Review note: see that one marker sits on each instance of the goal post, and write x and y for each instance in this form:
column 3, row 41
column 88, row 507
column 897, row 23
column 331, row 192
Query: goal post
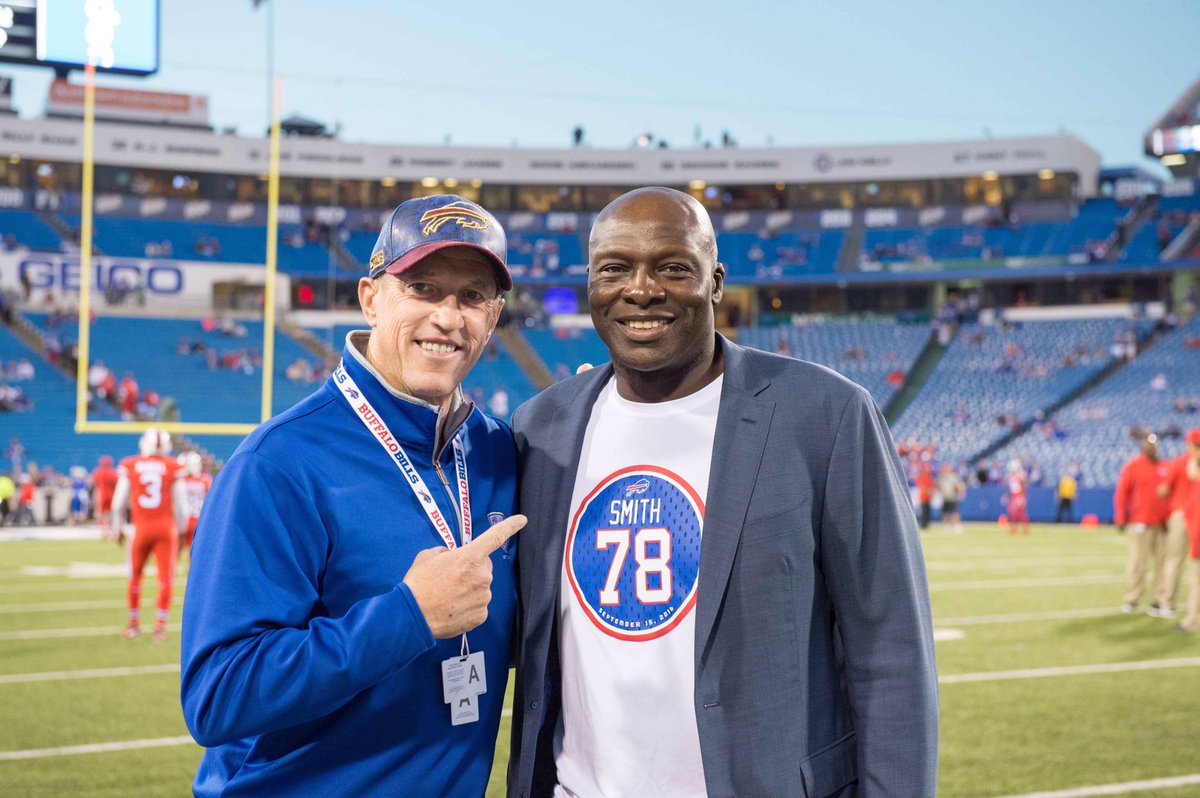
column 85, row 425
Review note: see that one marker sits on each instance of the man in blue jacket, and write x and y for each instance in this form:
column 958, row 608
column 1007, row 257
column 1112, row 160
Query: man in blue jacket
column 349, row 611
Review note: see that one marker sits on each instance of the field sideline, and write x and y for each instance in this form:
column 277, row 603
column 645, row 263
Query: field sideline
column 1047, row 690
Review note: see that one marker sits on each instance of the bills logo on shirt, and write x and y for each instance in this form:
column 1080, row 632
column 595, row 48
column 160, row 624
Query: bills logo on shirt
column 633, row 552
column 641, row 486
column 506, row 546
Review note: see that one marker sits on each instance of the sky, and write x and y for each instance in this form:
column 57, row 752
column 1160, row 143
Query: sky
column 770, row 73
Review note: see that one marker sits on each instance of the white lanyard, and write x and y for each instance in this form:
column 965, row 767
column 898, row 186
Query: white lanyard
column 375, row 424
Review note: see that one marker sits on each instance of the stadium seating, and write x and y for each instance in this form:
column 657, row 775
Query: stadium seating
column 129, row 237
column 866, row 351
column 28, row 230
column 789, row 253
column 1094, row 222
column 991, row 377
column 47, row 431
column 145, row 347
column 1095, row 428
column 563, row 350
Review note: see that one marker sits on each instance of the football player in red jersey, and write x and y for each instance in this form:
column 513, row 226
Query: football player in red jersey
column 1017, row 499
column 104, row 481
column 195, row 487
column 150, row 484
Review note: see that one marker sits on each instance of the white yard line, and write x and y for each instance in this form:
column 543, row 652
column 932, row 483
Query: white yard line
column 59, row 606
column 1051, row 581
column 95, row 673
column 1116, row 789
column 1019, row 562
column 85, row 631
column 1018, row 617
column 115, row 584
column 1070, row 670
column 95, row 748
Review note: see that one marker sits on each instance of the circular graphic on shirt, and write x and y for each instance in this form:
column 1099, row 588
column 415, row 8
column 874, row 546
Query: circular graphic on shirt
column 633, row 552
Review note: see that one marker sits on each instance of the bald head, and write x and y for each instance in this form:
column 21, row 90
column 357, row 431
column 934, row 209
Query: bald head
column 665, row 205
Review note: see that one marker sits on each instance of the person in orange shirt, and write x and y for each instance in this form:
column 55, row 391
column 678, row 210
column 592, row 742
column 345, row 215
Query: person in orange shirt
column 1176, row 489
column 1191, row 514
column 104, row 482
column 1140, row 507
column 925, row 495
column 150, row 484
column 196, row 484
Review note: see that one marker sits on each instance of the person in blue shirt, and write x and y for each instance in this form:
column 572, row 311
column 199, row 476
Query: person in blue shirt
column 351, row 599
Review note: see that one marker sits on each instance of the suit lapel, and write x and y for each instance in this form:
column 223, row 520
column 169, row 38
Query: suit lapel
column 567, row 429
column 743, row 422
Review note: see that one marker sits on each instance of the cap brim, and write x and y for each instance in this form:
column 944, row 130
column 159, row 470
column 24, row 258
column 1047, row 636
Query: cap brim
column 417, row 254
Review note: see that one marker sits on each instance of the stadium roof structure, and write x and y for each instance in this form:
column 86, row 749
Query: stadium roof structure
column 193, row 150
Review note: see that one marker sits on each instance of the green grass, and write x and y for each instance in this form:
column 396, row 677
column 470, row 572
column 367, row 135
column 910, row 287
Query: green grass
column 999, row 737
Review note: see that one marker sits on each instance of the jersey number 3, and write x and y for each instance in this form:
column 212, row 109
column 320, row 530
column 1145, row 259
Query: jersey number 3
column 152, row 484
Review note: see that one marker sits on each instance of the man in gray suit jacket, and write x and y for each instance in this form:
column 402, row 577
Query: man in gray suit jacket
column 722, row 583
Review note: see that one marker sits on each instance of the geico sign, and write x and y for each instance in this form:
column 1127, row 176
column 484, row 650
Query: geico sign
column 64, row 275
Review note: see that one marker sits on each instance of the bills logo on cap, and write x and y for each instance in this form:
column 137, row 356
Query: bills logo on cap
column 633, row 552
column 461, row 212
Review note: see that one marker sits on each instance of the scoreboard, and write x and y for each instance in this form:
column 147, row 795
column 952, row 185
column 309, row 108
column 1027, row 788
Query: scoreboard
column 114, row 35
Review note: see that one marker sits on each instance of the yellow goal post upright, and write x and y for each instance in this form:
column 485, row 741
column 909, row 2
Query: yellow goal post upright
column 82, row 423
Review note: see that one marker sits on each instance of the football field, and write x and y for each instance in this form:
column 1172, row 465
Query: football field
column 1047, row 689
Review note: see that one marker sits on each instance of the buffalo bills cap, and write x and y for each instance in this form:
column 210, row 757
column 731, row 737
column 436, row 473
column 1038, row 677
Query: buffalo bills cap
column 422, row 226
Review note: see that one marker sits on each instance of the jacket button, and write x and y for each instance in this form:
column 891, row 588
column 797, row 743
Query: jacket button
column 533, row 705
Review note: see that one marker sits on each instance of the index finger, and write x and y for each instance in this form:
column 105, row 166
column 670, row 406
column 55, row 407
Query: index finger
column 495, row 537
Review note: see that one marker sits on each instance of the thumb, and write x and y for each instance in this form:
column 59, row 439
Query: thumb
column 495, row 537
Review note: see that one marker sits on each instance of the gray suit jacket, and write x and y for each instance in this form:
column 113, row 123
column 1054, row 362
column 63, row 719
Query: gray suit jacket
column 814, row 644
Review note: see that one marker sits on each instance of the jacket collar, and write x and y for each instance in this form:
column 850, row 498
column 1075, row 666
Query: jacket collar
column 413, row 421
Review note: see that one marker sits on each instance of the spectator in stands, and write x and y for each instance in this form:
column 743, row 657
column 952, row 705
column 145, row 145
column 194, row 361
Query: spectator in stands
column 297, row 370
column 184, row 347
column 24, row 370
column 148, row 404
column 1065, row 495
column 498, row 403
column 127, row 396
column 13, row 399
column 1141, row 509
column 15, row 452
column 1158, row 382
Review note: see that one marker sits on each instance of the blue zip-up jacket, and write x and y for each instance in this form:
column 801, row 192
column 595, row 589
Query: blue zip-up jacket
column 308, row 668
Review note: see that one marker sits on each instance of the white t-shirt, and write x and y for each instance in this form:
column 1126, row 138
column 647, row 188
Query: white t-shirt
column 627, row 600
